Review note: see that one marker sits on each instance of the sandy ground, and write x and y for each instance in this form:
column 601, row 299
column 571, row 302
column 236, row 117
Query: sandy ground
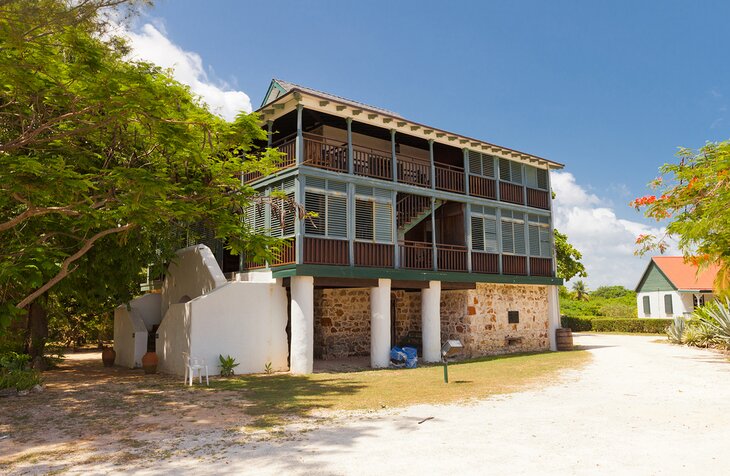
column 640, row 407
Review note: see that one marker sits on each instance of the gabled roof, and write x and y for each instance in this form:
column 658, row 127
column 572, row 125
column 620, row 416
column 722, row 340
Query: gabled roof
column 286, row 86
column 682, row 275
column 282, row 93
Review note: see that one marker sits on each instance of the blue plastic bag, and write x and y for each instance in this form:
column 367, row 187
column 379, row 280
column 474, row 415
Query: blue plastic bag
column 397, row 356
column 411, row 357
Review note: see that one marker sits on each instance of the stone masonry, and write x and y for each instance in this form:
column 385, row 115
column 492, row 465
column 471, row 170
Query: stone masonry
column 477, row 317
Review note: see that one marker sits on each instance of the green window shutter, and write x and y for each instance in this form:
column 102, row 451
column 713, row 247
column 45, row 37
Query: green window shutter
column 542, row 179
column 508, row 237
column 363, row 219
column 505, row 172
column 477, row 233
column 531, row 176
column 520, row 242
column 383, row 222
column 490, row 235
column 545, row 243
column 647, row 306
column 337, row 216
column 475, row 163
column 315, row 202
column 668, row 307
column 534, row 239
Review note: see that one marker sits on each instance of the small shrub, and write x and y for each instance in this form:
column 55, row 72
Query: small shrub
column 268, row 369
column 14, row 361
column 19, row 379
column 675, row 330
column 576, row 324
column 618, row 310
column 227, row 365
column 631, row 325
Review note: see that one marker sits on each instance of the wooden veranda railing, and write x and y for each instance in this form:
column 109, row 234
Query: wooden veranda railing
column 484, row 262
column 372, row 162
column 413, row 171
column 451, row 257
column 285, row 255
column 482, row 187
column 449, row 178
column 512, row 193
column 326, row 251
column 286, row 146
column 379, row 255
column 537, row 198
column 416, row 255
column 515, row 265
column 541, row 266
column 324, row 153
column 410, row 206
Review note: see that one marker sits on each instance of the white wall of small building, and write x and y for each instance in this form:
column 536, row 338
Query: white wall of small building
column 682, row 303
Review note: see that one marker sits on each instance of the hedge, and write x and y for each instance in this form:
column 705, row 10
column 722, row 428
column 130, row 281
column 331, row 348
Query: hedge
column 577, row 324
column 648, row 326
column 601, row 324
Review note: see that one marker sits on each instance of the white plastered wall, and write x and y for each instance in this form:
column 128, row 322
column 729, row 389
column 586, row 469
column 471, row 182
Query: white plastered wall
column 682, row 303
column 249, row 324
column 174, row 339
column 130, row 337
column 193, row 273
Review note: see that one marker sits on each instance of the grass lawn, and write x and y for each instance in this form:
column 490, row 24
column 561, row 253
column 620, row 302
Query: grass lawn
column 274, row 398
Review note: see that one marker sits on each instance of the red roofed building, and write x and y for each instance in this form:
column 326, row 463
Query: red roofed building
column 672, row 287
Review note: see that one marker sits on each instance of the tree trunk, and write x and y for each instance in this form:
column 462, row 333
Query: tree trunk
column 37, row 332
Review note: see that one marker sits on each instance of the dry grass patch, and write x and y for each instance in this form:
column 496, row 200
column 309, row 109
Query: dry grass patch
column 275, row 398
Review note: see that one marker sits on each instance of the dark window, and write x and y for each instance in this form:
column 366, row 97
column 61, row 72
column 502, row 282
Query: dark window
column 668, row 308
column 513, row 317
column 647, row 306
column 698, row 300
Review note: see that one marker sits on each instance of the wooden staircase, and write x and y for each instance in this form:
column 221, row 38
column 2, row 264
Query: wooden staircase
column 412, row 210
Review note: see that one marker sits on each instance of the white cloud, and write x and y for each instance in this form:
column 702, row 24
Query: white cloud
column 606, row 241
column 150, row 43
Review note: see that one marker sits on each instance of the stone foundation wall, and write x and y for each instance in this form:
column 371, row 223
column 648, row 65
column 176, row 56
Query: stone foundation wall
column 341, row 323
column 477, row 317
column 486, row 325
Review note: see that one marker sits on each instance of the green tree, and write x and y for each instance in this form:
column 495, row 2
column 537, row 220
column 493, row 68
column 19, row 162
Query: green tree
column 581, row 290
column 102, row 162
column 568, row 257
column 693, row 195
column 609, row 292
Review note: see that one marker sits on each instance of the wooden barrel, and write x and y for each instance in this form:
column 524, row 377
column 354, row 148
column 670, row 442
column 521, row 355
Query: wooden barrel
column 564, row 339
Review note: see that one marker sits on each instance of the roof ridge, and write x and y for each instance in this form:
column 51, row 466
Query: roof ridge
column 335, row 96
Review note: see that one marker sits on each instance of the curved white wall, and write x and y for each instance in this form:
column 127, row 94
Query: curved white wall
column 130, row 337
column 148, row 308
column 193, row 273
column 174, row 339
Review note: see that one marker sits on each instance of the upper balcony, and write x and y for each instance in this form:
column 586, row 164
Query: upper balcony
column 349, row 147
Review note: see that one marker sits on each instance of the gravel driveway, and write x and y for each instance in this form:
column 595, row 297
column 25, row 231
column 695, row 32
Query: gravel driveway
column 641, row 407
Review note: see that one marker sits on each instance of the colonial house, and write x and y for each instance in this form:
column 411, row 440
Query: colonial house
column 420, row 235
column 672, row 287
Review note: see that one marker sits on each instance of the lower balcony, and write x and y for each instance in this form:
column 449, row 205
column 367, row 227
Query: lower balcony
column 413, row 255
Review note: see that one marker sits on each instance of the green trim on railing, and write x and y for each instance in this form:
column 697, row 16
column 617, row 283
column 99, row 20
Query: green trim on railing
column 406, row 275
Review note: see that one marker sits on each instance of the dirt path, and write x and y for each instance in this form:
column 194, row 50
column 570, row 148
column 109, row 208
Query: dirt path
column 640, row 407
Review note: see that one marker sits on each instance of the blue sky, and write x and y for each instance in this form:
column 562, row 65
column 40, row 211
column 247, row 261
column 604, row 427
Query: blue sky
column 608, row 88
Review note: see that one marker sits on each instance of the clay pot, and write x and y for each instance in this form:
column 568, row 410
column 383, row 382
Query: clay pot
column 149, row 362
column 108, row 355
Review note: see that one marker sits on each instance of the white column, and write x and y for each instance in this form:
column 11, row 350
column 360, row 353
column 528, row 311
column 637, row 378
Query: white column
column 553, row 315
column 380, row 324
column 431, row 321
column 302, row 325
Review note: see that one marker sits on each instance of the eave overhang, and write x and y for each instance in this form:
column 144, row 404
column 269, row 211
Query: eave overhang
column 289, row 101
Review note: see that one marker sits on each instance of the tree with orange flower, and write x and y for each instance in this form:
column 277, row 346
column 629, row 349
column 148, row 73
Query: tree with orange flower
column 694, row 195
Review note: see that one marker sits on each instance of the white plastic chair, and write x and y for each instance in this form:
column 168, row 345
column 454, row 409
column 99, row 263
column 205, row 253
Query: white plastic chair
column 193, row 365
